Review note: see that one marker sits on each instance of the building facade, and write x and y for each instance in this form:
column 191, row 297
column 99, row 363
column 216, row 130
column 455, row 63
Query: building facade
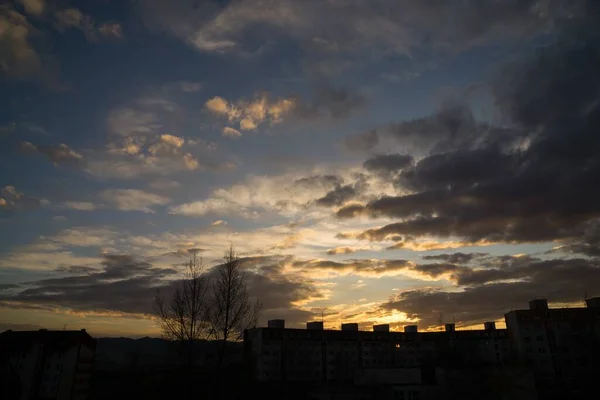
column 560, row 345
column 46, row 364
column 319, row 355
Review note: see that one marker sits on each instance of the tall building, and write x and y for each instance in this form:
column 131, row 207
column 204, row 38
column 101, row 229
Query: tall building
column 46, row 364
column 561, row 346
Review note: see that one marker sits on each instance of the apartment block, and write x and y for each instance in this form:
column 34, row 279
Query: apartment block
column 46, row 364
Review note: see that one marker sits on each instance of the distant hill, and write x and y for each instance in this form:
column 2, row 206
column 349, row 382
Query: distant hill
column 119, row 354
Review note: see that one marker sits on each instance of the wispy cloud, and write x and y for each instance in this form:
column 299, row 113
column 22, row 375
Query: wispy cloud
column 133, row 199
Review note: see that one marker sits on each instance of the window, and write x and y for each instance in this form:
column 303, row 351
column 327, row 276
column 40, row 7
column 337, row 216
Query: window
column 542, row 350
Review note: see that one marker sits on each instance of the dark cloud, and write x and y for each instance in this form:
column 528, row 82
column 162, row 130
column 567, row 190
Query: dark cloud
column 457, row 169
column 125, row 284
column 337, row 196
column 76, row 269
column 7, row 286
column 388, row 163
column 456, row 258
column 58, row 155
column 363, row 141
column 491, row 292
column 380, row 26
column 331, row 102
column 359, row 266
column 349, row 211
column 321, row 181
column 538, row 187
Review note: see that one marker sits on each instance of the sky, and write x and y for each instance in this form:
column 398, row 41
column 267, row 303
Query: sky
column 371, row 161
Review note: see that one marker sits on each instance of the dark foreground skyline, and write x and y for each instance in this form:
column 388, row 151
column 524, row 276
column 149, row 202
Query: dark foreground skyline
column 378, row 161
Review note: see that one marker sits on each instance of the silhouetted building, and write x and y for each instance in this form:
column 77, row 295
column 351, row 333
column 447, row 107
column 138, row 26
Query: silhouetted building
column 287, row 355
column 46, row 364
column 561, row 346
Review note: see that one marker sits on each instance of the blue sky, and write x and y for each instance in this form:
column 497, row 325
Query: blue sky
column 385, row 160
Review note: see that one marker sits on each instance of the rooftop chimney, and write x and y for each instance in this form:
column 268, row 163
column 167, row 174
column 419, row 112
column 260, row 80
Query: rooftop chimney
column 411, row 329
column 315, row 326
column 538, row 304
column 450, row 327
column 353, row 326
column 381, row 328
column 489, row 326
column 276, row 323
column 593, row 302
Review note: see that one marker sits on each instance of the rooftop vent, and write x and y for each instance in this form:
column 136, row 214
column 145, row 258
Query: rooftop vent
column 538, row 304
column 276, row 323
column 353, row 326
column 411, row 329
column 489, row 326
column 315, row 326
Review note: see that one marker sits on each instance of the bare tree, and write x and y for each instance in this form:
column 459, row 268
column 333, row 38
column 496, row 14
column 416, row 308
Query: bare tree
column 184, row 317
column 232, row 310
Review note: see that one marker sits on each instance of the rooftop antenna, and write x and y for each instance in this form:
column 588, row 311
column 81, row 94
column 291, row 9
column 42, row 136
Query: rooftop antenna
column 441, row 320
column 65, row 327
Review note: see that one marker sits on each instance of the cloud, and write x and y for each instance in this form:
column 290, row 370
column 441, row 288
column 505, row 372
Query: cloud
column 58, row 155
column 123, row 283
column 343, row 250
column 230, row 132
column 82, row 205
column 111, row 29
column 74, row 18
column 13, row 200
column 218, row 222
column 139, row 145
column 133, row 199
column 495, row 188
column 34, row 7
column 59, row 250
column 387, row 26
column 251, row 113
column 286, row 194
column 337, row 196
column 330, row 102
column 18, row 58
column 388, row 163
column 132, row 121
column 456, row 258
column 163, row 184
column 362, row 141
column 495, row 291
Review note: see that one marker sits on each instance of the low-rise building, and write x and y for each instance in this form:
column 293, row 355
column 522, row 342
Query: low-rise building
column 46, row 364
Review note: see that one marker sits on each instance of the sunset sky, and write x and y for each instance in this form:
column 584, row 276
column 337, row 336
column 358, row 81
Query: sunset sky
column 372, row 161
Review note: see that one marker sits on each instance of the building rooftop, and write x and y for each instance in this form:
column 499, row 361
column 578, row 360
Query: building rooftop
column 48, row 337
